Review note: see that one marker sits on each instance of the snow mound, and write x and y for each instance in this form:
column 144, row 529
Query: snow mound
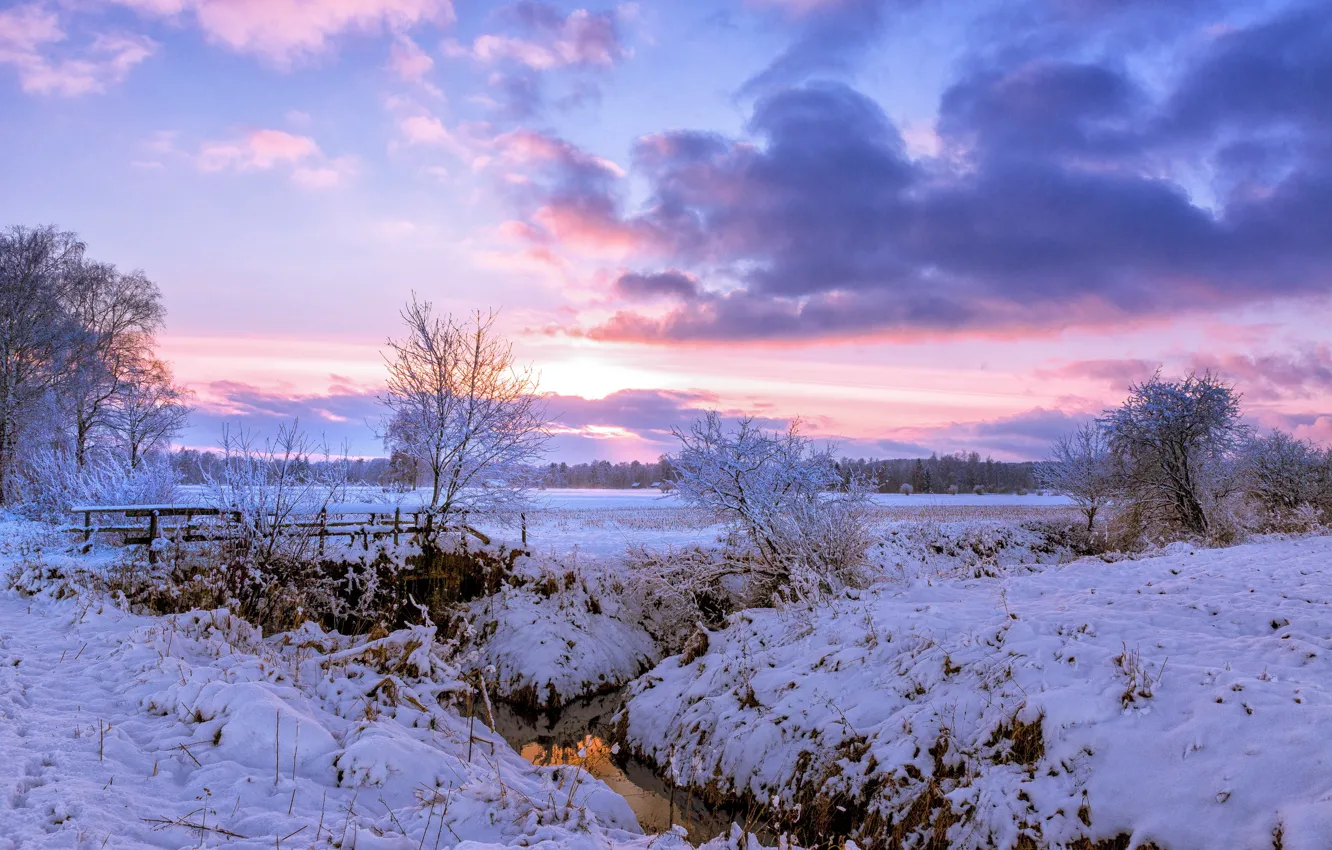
column 557, row 638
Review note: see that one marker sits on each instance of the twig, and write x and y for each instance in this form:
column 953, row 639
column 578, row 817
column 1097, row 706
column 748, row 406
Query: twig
column 426, row 831
column 351, row 810
column 163, row 823
column 187, row 752
column 277, row 753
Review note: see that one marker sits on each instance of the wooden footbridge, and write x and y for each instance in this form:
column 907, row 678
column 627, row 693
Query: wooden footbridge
column 144, row 525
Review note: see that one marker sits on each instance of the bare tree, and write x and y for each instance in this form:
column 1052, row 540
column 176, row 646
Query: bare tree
column 460, row 406
column 1175, row 442
column 117, row 315
column 36, row 332
column 1082, row 467
column 147, row 411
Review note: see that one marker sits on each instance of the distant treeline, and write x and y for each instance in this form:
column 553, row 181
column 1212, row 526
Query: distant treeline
column 935, row 474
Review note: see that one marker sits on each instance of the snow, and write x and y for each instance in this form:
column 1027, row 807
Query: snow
column 545, row 644
column 1181, row 699
column 127, row 731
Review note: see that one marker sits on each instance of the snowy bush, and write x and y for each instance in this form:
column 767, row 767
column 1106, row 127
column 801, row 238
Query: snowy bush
column 268, row 492
column 906, row 489
column 1288, row 480
column 804, row 528
column 51, row 481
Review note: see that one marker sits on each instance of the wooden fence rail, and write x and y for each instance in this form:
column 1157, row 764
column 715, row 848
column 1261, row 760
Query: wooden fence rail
column 181, row 524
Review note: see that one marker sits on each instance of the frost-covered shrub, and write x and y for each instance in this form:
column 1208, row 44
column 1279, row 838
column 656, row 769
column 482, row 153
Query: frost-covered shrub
column 1289, row 481
column 906, row 489
column 51, row 482
column 805, row 527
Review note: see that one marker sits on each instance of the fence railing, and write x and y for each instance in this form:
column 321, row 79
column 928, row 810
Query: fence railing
column 144, row 525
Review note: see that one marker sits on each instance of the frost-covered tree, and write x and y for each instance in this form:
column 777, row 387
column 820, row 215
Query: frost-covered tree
column 79, row 383
column 36, row 336
column 785, row 494
column 464, row 410
column 1082, row 467
column 1175, row 444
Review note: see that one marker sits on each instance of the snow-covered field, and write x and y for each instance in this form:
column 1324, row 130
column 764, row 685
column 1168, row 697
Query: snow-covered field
column 983, row 691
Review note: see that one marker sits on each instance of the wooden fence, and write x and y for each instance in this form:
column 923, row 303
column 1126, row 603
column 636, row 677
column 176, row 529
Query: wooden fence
column 144, row 525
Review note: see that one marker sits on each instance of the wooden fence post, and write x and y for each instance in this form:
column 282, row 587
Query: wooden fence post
column 523, row 517
column 87, row 526
column 397, row 522
column 152, row 537
column 323, row 529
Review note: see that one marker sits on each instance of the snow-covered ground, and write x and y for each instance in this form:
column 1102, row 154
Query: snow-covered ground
column 1183, row 700
column 126, row 731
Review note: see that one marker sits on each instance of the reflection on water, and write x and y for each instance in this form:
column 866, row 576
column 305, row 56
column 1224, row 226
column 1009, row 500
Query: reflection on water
column 575, row 736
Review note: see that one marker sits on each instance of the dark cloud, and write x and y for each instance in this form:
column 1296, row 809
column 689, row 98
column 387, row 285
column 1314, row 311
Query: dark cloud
column 1265, row 377
column 830, row 40
column 343, row 416
column 1067, row 193
column 1304, row 373
column 667, row 284
column 520, row 94
column 643, row 412
column 1021, row 436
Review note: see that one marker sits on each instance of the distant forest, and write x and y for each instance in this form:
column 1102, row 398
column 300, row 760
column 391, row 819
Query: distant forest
column 935, row 474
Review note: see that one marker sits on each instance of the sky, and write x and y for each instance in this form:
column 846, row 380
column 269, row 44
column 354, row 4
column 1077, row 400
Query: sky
column 917, row 225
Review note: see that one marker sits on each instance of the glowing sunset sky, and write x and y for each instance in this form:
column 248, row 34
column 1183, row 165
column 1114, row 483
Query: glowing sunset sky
column 918, row 224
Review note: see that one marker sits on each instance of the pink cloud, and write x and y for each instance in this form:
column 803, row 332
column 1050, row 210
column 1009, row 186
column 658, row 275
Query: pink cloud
column 409, row 61
column 283, row 31
column 589, row 231
column 583, row 38
column 262, row 150
column 31, row 36
column 425, row 130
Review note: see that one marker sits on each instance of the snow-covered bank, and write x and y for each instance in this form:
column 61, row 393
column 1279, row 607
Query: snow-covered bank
column 554, row 639
column 563, row 628
column 127, row 731
column 1183, row 700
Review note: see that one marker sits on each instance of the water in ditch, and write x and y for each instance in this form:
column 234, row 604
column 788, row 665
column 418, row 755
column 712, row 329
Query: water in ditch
column 555, row 738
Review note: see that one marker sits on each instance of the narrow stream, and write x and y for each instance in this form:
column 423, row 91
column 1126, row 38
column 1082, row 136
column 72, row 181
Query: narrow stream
column 555, row 738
